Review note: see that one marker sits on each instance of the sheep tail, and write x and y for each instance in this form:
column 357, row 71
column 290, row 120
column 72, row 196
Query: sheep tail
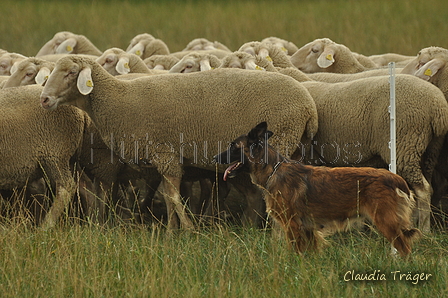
column 439, row 121
column 311, row 126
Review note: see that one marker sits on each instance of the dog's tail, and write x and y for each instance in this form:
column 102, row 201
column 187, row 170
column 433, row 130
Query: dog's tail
column 404, row 211
column 405, row 203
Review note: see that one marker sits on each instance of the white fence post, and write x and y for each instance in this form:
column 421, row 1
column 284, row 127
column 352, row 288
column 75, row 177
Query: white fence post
column 392, row 142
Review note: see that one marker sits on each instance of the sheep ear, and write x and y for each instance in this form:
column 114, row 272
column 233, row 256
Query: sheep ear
column 123, row 65
column 13, row 68
column 205, row 65
column 138, row 49
column 159, row 66
column 251, row 65
column 265, row 54
column 429, row 69
column 85, row 83
column 67, row 46
column 326, row 59
column 42, row 75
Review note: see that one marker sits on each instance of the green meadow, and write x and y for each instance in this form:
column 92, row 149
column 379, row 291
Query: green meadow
column 223, row 260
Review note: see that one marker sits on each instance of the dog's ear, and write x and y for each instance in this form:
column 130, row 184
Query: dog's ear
column 259, row 132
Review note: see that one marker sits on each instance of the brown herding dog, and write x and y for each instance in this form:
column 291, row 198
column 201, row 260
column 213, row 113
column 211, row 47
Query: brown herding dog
column 308, row 201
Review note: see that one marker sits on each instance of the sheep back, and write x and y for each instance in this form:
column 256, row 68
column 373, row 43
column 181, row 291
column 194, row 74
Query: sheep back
column 204, row 107
column 354, row 119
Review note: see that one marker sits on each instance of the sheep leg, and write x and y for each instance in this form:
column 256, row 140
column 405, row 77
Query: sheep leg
column 171, row 186
column 423, row 195
column 64, row 193
column 92, row 205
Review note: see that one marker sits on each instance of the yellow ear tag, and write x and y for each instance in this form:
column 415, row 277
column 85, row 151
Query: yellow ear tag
column 89, row 83
column 69, row 48
column 428, row 72
column 138, row 53
column 46, row 78
column 269, row 58
column 258, row 68
column 284, row 49
column 329, row 57
column 126, row 66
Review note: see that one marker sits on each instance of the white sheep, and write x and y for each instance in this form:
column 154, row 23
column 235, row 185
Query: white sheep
column 202, row 44
column 384, row 59
column 29, row 71
column 161, row 62
column 8, row 62
column 354, row 129
column 145, row 45
column 218, row 53
column 142, row 120
column 56, row 57
column 36, row 144
column 288, row 47
column 324, row 55
column 196, row 61
column 422, row 121
column 269, row 51
column 430, row 64
column 244, row 60
column 66, row 42
column 118, row 62
column 330, row 77
column 104, row 171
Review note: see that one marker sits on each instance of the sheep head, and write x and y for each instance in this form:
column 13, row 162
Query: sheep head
column 195, row 62
column 53, row 46
column 115, row 61
column 70, row 80
column 141, row 40
column 245, row 60
column 9, row 62
column 427, row 64
column 30, row 71
column 315, row 56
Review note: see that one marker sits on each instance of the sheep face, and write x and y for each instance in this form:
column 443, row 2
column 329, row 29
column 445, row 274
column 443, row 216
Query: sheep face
column 9, row 62
column 67, row 84
column 29, row 71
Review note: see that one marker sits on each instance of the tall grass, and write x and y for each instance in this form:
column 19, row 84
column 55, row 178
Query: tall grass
column 368, row 27
column 222, row 261
column 86, row 260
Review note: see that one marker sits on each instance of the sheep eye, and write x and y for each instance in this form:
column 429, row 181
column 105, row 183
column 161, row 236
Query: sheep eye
column 314, row 50
column 72, row 73
column 29, row 74
column 109, row 60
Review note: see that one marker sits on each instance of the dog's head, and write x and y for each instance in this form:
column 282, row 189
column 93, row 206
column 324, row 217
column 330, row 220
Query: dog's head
column 245, row 149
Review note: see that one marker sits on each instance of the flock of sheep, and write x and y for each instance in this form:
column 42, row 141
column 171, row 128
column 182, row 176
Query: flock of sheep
column 118, row 128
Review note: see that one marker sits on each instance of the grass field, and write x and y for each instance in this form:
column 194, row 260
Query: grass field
column 368, row 27
column 221, row 261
